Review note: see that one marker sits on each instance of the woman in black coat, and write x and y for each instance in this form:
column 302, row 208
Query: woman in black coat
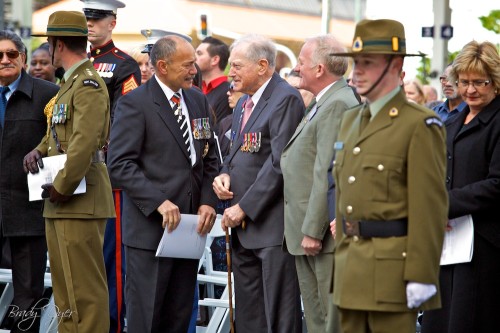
column 470, row 292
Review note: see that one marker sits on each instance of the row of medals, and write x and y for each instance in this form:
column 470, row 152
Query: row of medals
column 251, row 142
column 201, row 128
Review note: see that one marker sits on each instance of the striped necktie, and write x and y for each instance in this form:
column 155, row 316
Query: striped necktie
column 181, row 120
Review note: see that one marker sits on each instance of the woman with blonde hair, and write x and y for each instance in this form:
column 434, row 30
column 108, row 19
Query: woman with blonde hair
column 414, row 91
column 470, row 291
column 145, row 66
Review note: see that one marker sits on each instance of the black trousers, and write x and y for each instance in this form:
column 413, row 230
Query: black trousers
column 28, row 261
column 159, row 292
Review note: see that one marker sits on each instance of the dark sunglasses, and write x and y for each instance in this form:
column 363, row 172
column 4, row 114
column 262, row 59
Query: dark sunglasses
column 10, row 54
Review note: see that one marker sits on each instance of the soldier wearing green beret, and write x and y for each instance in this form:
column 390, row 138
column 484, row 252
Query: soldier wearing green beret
column 391, row 208
column 78, row 124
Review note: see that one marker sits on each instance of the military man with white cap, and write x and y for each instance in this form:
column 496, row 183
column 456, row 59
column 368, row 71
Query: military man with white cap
column 120, row 71
column 392, row 204
column 78, row 118
column 122, row 74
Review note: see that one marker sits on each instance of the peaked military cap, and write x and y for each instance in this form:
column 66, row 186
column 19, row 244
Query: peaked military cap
column 66, row 23
column 152, row 36
column 378, row 37
column 98, row 9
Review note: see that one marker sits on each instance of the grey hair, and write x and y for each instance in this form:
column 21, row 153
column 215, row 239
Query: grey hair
column 325, row 45
column 7, row 35
column 164, row 49
column 258, row 47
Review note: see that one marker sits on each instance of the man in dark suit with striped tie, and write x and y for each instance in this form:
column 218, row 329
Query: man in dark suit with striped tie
column 165, row 167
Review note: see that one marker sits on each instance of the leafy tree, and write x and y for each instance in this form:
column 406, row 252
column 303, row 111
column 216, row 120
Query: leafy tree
column 491, row 21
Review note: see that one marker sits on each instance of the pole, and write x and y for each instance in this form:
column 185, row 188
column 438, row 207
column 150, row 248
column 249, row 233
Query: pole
column 229, row 284
column 326, row 15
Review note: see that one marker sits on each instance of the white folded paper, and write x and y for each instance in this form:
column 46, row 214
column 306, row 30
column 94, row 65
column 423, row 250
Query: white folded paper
column 51, row 166
column 458, row 243
column 184, row 241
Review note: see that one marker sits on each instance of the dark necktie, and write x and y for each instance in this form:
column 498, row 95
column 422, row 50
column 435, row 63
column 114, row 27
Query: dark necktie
column 365, row 118
column 3, row 103
column 247, row 111
column 181, row 120
column 310, row 106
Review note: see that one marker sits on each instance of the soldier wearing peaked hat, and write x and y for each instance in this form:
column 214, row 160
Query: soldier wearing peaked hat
column 78, row 121
column 120, row 71
column 152, row 36
column 122, row 74
column 391, row 207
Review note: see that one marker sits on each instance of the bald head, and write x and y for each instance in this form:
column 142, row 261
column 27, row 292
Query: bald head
column 173, row 59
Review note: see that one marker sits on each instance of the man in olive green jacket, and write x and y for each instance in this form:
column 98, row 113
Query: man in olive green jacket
column 305, row 162
column 78, row 119
column 392, row 204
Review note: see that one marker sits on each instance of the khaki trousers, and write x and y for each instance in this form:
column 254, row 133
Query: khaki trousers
column 315, row 278
column 78, row 274
column 356, row 321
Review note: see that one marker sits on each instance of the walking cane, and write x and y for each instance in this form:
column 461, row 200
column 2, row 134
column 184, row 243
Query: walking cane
column 230, row 290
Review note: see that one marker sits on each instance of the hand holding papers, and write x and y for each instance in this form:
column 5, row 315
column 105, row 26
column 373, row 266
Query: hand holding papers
column 52, row 165
column 459, row 241
column 184, row 241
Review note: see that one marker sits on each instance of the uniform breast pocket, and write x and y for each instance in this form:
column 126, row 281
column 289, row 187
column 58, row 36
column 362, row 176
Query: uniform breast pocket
column 383, row 175
column 390, row 256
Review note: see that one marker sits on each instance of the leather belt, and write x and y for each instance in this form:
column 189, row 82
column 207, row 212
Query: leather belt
column 99, row 156
column 371, row 228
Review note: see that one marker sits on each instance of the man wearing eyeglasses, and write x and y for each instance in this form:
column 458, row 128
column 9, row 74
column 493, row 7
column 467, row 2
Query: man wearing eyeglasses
column 22, row 125
column 453, row 103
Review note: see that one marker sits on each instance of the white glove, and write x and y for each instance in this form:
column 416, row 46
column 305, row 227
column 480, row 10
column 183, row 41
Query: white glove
column 418, row 293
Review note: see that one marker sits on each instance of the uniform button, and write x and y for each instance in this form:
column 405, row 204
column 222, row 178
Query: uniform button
column 403, row 254
column 334, row 162
column 449, row 156
column 348, row 209
column 355, row 238
column 50, row 148
column 448, row 179
column 189, row 193
column 380, row 167
column 356, row 150
column 351, row 179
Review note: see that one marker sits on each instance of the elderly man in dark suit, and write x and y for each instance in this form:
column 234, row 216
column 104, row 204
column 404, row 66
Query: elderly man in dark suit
column 164, row 170
column 266, row 287
column 23, row 126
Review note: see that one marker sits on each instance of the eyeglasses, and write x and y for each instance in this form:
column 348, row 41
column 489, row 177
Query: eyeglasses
column 13, row 54
column 443, row 79
column 475, row 83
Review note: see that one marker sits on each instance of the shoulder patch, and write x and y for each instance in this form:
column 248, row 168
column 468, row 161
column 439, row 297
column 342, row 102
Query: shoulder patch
column 129, row 85
column 90, row 82
column 433, row 121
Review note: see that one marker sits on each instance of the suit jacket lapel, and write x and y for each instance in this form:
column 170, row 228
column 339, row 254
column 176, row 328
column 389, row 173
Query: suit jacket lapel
column 194, row 113
column 164, row 110
column 482, row 117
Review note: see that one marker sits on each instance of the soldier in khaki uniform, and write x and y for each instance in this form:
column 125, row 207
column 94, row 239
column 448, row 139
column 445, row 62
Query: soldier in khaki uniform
column 392, row 203
column 78, row 119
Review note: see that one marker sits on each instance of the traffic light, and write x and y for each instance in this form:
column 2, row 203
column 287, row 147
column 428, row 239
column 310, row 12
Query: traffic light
column 203, row 31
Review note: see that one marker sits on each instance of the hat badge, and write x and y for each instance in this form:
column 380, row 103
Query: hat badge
column 149, row 33
column 357, row 45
